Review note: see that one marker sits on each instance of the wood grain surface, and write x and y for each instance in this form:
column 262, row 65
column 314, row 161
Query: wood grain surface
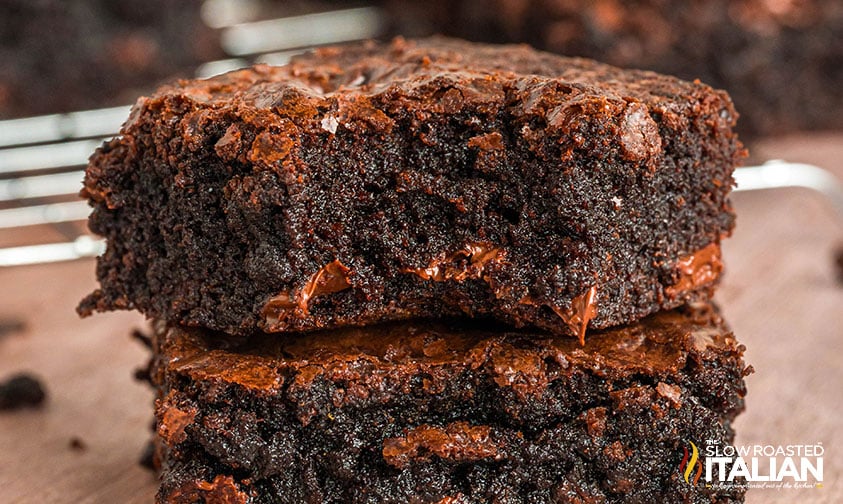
column 781, row 294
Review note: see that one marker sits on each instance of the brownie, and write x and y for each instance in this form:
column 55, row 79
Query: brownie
column 782, row 62
column 428, row 178
column 65, row 55
column 446, row 411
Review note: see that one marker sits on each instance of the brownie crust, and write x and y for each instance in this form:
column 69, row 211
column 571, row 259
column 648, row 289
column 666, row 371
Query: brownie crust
column 782, row 64
column 449, row 412
column 428, row 178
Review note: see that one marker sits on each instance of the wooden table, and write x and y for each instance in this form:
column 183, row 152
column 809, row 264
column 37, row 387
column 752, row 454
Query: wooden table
column 781, row 294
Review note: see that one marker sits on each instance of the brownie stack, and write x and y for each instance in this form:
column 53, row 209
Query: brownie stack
column 427, row 271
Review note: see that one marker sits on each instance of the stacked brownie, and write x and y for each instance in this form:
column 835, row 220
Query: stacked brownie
column 427, row 271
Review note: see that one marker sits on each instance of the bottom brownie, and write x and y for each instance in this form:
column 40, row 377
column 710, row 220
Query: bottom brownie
column 447, row 412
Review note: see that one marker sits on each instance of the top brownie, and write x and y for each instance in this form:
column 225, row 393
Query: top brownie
column 419, row 178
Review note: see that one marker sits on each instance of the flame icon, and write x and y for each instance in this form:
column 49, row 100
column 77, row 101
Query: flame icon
column 687, row 466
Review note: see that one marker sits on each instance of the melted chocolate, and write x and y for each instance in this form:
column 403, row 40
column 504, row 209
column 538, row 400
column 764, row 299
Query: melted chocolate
column 468, row 263
column 701, row 268
column 657, row 345
column 457, row 442
column 333, row 277
column 583, row 309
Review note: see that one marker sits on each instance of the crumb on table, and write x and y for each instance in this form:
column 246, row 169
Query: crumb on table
column 21, row 390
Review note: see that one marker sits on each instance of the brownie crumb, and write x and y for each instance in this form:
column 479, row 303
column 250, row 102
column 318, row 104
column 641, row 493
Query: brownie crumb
column 147, row 458
column 11, row 326
column 142, row 374
column 141, row 337
column 838, row 262
column 77, row 444
column 20, row 391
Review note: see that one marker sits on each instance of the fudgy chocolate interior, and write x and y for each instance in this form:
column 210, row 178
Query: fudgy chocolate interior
column 415, row 179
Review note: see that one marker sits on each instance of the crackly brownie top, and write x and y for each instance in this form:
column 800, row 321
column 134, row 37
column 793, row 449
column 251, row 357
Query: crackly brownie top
column 354, row 87
column 659, row 345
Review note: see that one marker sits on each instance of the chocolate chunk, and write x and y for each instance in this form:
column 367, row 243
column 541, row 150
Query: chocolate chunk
column 702, row 268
